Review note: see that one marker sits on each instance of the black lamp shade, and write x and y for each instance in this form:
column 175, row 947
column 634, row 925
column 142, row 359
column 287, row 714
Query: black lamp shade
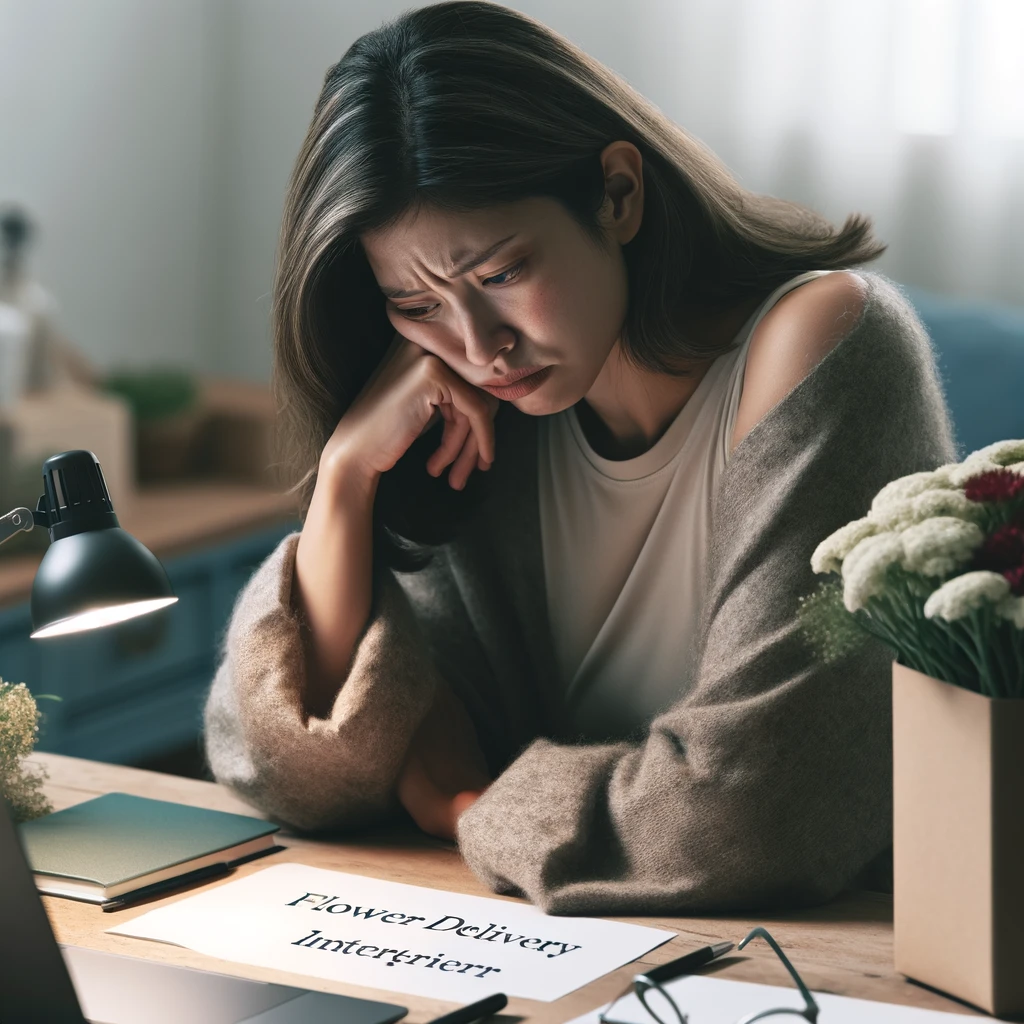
column 94, row 573
column 100, row 570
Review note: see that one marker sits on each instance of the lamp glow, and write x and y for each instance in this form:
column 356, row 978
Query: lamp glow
column 97, row 618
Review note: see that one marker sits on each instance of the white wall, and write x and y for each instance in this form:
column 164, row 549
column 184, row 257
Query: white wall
column 276, row 55
column 105, row 136
column 154, row 140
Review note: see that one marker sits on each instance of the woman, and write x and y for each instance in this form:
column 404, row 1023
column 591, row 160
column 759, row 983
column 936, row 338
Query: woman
column 563, row 479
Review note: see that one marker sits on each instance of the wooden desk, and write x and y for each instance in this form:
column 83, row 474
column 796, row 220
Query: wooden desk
column 844, row 948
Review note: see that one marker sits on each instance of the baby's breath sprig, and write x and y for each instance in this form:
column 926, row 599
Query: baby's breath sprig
column 830, row 630
column 21, row 785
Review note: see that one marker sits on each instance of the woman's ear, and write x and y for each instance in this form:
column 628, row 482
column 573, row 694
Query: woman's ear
column 623, row 207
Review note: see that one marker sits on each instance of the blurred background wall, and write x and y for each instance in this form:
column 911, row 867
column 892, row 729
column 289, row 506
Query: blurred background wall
column 152, row 140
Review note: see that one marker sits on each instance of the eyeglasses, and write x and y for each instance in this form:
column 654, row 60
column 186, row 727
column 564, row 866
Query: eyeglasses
column 663, row 1009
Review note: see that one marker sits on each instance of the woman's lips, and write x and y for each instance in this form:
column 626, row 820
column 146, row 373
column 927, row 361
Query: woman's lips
column 521, row 387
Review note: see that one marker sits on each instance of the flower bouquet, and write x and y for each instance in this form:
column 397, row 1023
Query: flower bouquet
column 936, row 571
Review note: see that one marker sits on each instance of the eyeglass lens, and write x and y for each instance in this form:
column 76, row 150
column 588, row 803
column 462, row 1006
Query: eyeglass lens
column 660, row 1005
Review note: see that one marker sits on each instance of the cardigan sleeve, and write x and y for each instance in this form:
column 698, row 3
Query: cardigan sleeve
column 768, row 784
column 315, row 773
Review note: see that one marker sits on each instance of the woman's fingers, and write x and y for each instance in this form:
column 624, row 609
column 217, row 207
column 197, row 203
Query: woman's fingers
column 456, row 430
column 427, row 805
column 468, row 439
column 462, row 802
column 481, row 412
column 465, row 463
column 434, row 811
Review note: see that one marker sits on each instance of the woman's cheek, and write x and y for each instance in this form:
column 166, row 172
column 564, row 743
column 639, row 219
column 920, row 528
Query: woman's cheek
column 398, row 321
column 433, row 340
column 538, row 309
column 409, row 329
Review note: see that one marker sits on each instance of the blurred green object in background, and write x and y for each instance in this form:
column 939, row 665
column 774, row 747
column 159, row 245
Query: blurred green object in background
column 168, row 414
column 155, row 394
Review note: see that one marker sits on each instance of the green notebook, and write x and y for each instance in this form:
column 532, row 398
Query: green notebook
column 116, row 843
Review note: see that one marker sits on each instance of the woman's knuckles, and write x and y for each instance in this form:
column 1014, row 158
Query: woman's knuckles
column 404, row 399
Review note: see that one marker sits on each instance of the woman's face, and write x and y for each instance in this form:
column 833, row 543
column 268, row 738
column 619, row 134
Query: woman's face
column 543, row 296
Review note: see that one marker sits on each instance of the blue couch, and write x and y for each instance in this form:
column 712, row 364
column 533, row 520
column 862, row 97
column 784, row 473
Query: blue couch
column 980, row 352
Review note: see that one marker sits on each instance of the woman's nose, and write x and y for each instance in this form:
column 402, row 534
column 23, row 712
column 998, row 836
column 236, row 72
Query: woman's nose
column 484, row 336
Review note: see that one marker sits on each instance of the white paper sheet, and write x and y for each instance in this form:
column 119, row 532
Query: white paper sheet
column 388, row 935
column 716, row 1000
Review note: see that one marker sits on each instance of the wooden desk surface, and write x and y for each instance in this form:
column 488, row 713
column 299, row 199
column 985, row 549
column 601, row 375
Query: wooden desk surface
column 844, row 948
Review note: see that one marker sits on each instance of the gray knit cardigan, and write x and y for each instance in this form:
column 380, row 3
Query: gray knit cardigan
column 767, row 785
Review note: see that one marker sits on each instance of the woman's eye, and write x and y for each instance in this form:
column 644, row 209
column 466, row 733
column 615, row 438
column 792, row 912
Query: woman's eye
column 505, row 277
column 416, row 313
column 510, row 275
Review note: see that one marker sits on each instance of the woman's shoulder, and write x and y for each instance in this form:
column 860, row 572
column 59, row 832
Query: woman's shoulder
column 890, row 335
column 881, row 368
column 793, row 337
column 800, row 332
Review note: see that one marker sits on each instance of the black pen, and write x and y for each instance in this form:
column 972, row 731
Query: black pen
column 166, row 886
column 474, row 1011
column 688, row 963
column 179, row 881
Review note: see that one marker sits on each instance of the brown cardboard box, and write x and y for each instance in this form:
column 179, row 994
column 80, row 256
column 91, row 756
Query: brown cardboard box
column 42, row 424
column 238, row 438
column 958, row 840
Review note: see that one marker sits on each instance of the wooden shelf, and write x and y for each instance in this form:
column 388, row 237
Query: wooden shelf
column 171, row 519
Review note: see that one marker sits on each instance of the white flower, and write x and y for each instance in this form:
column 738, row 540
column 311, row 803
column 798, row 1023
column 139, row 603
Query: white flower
column 909, row 486
column 864, row 568
column 899, row 514
column 939, row 546
column 964, row 594
column 948, row 503
column 1002, row 453
column 968, row 469
column 1012, row 608
column 829, row 554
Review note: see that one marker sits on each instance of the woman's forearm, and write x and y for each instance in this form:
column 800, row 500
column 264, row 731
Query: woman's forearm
column 332, row 586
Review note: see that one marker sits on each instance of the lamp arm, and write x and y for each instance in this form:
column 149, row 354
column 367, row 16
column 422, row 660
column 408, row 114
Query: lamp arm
column 19, row 519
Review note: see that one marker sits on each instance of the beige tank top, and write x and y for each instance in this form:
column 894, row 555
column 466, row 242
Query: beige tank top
column 624, row 545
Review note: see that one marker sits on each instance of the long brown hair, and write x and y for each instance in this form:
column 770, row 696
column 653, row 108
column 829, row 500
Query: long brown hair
column 466, row 104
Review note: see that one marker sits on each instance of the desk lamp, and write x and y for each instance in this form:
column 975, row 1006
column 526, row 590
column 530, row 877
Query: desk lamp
column 93, row 573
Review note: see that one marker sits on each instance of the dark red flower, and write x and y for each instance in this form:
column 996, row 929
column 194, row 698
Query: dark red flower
column 1016, row 578
column 994, row 485
column 1002, row 550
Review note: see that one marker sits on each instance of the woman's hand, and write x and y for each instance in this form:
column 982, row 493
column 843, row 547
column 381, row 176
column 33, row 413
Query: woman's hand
column 444, row 770
column 332, row 586
column 407, row 393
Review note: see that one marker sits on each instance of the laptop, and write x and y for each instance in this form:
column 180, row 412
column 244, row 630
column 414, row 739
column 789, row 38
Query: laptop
column 42, row 981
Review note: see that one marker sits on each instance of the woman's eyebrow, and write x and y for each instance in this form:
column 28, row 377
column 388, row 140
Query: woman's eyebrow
column 462, row 265
column 468, row 263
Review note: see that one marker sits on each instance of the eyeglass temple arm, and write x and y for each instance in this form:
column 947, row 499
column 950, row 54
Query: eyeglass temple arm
column 763, row 933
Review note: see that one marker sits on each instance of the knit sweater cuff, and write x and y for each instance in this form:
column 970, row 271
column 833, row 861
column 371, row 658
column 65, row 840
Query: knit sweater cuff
column 541, row 807
column 312, row 772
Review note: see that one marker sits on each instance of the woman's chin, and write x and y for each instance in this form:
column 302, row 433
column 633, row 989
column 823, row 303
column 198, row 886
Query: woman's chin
column 544, row 403
column 538, row 405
